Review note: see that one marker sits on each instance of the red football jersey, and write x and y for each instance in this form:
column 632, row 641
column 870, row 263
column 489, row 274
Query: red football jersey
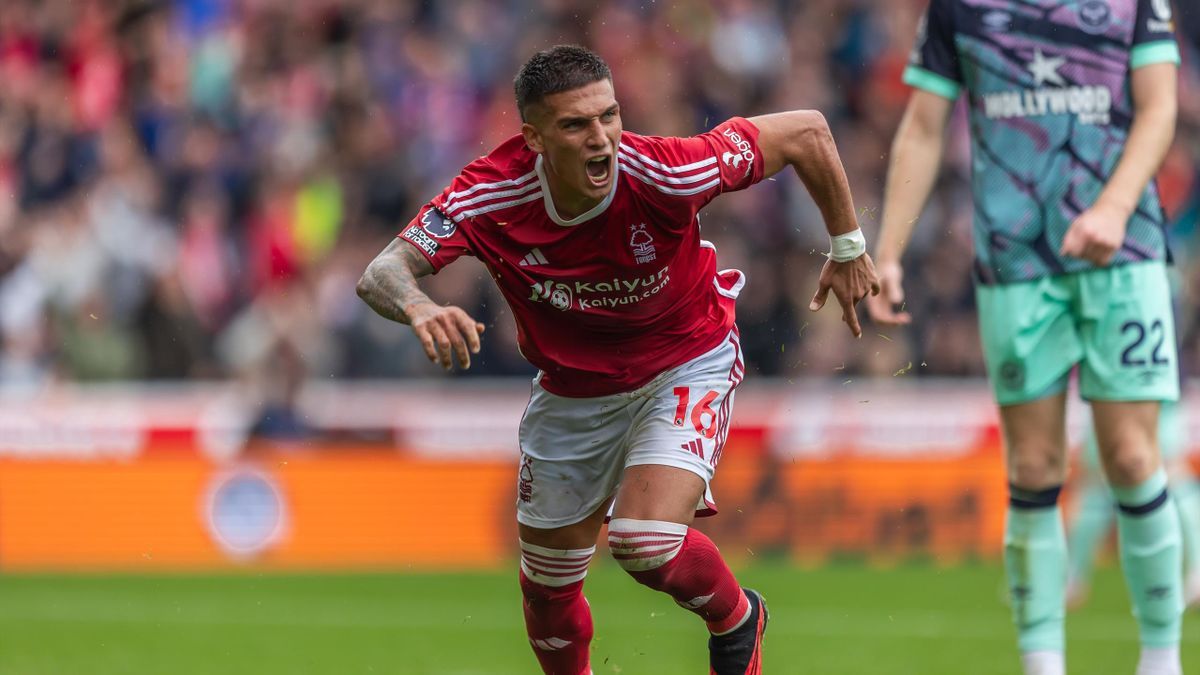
column 605, row 301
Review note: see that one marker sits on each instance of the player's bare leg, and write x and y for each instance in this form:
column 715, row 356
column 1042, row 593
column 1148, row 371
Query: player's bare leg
column 557, row 619
column 650, row 538
column 1035, row 547
column 1148, row 528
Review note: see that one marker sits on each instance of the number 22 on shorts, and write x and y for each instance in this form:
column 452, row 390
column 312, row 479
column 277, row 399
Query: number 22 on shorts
column 1157, row 336
column 702, row 409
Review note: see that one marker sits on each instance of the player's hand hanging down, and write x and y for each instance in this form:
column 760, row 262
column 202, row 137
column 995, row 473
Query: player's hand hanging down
column 802, row 139
column 445, row 330
column 389, row 286
column 886, row 308
column 850, row 282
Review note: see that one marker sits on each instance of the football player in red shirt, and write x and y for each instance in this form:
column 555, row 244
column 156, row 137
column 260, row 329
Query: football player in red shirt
column 591, row 234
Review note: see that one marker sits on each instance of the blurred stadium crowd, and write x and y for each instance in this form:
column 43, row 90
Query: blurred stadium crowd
column 192, row 188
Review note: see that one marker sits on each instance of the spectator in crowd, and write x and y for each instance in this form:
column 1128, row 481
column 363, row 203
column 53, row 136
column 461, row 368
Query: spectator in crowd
column 166, row 166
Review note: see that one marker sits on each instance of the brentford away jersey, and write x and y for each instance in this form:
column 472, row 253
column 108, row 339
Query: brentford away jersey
column 1048, row 83
column 605, row 301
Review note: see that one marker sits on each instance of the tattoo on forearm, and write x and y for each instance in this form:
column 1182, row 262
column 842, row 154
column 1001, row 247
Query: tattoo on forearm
column 390, row 283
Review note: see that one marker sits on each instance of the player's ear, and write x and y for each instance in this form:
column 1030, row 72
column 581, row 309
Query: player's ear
column 533, row 138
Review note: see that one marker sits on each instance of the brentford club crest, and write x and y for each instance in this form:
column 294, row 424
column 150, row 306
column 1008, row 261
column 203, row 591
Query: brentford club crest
column 642, row 244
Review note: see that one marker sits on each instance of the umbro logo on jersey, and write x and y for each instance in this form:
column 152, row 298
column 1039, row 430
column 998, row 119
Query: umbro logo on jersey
column 534, row 257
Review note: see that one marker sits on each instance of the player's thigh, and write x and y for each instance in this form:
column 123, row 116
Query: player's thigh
column 678, row 433
column 1029, row 338
column 1171, row 442
column 575, row 536
column 572, row 453
column 656, row 492
column 1035, row 441
column 1128, row 332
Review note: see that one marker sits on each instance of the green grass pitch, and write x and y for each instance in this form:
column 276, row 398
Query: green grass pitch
column 843, row 619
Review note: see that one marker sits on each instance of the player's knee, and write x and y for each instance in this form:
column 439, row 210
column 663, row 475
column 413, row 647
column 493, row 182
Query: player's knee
column 1036, row 468
column 644, row 545
column 1130, row 462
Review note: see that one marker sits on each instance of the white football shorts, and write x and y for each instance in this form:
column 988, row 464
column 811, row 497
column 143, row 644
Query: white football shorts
column 574, row 450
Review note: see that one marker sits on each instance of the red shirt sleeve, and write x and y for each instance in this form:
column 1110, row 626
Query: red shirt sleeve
column 437, row 235
column 735, row 142
column 694, row 170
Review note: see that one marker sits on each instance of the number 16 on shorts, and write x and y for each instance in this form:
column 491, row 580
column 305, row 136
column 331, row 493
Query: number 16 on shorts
column 710, row 423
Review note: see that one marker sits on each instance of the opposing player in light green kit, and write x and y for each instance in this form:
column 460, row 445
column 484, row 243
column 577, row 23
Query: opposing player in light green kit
column 1072, row 107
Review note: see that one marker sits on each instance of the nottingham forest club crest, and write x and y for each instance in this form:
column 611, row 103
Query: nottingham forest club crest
column 642, row 244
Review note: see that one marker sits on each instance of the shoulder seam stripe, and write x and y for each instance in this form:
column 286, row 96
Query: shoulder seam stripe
column 671, row 191
column 669, row 169
column 485, row 186
column 461, row 215
column 694, row 178
column 450, row 205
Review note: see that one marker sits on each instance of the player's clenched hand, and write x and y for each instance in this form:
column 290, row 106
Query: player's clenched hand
column 850, row 282
column 884, row 308
column 445, row 330
column 1096, row 235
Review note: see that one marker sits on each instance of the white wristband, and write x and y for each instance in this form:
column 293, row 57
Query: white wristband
column 847, row 247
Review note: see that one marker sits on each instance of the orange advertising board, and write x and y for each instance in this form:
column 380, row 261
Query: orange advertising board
column 317, row 510
column 816, row 510
column 362, row 508
column 137, row 477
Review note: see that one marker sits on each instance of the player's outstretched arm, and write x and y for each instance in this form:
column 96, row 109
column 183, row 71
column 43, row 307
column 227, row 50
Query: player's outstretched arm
column 801, row 139
column 1097, row 234
column 912, row 171
column 389, row 286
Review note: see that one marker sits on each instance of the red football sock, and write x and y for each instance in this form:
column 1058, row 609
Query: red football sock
column 557, row 617
column 684, row 564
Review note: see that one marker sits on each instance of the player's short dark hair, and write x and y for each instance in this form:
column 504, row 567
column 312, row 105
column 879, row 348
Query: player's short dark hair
column 557, row 69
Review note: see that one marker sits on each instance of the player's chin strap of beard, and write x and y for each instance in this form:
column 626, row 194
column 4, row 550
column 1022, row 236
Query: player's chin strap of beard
column 847, row 247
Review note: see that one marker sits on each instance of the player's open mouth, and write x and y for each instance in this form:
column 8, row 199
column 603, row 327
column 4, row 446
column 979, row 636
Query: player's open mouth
column 598, row 169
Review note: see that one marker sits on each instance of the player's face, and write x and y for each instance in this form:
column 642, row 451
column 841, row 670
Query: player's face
column 577, row 133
